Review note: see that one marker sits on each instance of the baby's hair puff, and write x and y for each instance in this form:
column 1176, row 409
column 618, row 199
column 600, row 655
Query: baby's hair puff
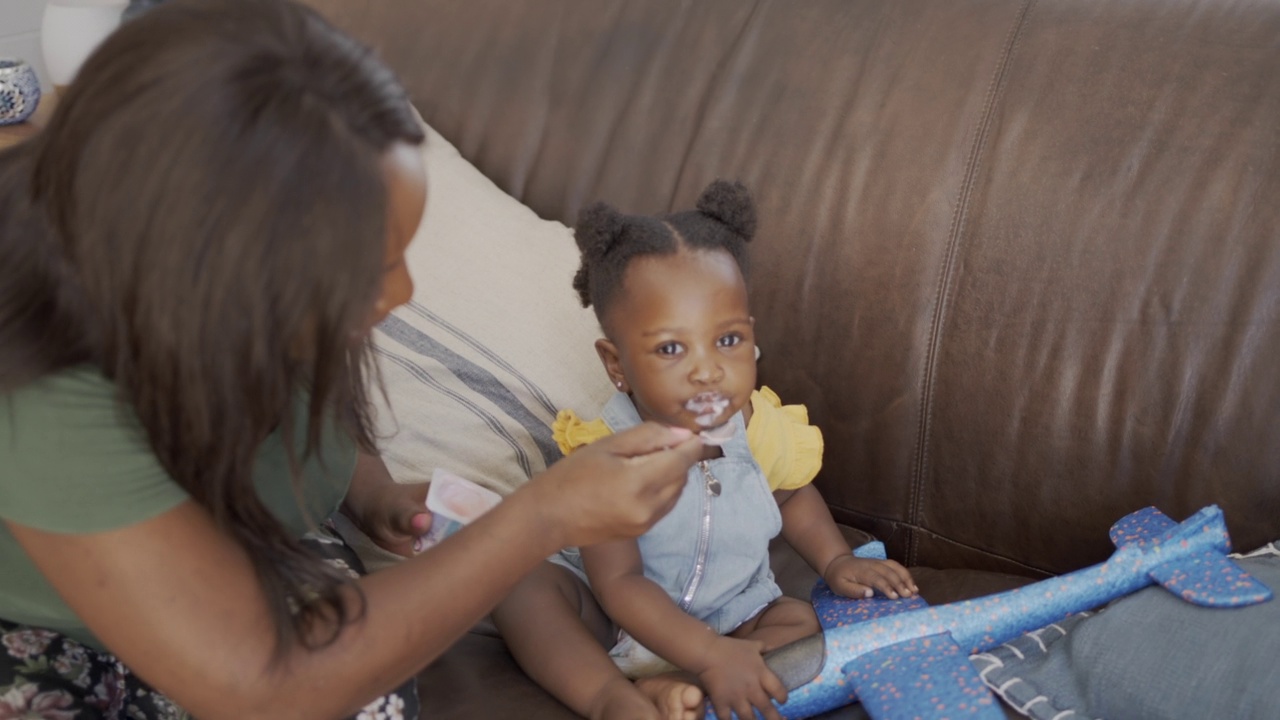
column 724, row 219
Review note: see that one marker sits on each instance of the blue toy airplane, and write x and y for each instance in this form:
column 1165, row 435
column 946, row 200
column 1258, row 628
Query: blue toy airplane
column 903, row 659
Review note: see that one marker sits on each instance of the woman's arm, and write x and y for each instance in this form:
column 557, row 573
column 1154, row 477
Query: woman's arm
column 176, row 599
column 732, row 670
column 808, row 527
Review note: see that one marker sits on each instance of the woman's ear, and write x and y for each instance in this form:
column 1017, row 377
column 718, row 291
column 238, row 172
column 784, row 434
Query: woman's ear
column 608, row 353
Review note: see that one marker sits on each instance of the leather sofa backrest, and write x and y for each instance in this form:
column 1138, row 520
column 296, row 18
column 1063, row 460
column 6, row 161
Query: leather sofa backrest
column 1020, row 259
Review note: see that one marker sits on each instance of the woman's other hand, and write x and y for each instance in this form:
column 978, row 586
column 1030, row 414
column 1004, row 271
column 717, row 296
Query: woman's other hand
column 390, row 513
column 619, row 486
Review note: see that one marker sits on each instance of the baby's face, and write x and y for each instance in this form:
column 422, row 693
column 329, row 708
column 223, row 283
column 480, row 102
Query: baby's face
column 683, row 334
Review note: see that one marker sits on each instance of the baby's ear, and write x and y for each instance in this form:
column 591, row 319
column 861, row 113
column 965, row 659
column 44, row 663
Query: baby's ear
column 608, row 353
column 731, row 204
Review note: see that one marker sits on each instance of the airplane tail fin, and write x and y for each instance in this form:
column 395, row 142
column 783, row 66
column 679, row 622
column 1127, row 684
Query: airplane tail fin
column 1204, row 575
column 1140, row 528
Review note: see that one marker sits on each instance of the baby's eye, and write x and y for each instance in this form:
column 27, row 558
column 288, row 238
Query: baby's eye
column 671, row 348
column 729, row 340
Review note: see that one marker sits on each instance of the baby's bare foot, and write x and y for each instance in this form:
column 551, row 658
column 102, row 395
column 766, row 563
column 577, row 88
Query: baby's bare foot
column 620, row 699
column 675, row 695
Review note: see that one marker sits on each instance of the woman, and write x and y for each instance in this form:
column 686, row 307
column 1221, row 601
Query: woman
column 192, row 255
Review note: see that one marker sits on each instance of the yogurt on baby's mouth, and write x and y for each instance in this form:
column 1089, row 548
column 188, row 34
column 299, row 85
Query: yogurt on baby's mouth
column 708, row 407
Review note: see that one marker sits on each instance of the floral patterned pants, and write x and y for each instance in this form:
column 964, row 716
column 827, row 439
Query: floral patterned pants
column 47, row 676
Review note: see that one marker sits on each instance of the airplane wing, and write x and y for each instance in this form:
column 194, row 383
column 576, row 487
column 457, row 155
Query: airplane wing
column 836, row 611
column 924, row 677
column 802, row 666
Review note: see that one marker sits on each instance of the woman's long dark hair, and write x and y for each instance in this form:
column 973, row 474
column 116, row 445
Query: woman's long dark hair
column 204, row 221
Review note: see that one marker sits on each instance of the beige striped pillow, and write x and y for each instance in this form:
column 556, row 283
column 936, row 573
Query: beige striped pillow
column 494, row 342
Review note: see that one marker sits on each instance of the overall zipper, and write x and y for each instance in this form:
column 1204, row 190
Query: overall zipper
column 712, row 486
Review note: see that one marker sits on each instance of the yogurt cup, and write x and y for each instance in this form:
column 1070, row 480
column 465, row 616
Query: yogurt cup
column 453, row 502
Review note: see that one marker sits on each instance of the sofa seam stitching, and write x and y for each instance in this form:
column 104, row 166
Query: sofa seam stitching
column 896, row 525
column 981, row 551
column 942, row 294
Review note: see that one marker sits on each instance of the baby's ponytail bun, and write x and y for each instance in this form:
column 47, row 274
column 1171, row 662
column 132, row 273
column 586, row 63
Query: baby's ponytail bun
column 731, row 204
column 598, row 229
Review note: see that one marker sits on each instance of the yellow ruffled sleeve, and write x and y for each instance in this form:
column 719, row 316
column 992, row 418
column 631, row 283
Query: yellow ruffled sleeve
column 572, row 432
column 787, row 447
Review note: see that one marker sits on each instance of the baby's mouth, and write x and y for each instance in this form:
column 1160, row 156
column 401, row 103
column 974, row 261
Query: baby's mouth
column 707, row 407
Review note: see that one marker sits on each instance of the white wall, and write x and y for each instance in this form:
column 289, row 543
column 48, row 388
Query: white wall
column 20, row 32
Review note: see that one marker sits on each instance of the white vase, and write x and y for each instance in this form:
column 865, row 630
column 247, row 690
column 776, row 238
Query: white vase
column 71, row 30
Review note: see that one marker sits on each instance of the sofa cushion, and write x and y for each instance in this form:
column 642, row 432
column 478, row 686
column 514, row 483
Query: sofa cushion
column 1148, row 655
column 459, row 685
column 494, row 342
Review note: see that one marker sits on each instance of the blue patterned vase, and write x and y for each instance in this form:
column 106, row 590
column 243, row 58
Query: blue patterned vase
column 19, row 91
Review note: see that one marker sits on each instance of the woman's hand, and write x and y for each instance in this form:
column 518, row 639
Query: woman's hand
column 390, row 513
column 618, row 486
column 614, row 488
column 736, row 679
column 857, row 577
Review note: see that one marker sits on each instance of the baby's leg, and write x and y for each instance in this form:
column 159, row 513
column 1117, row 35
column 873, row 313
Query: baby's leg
column 559, row 635
column 782, row 621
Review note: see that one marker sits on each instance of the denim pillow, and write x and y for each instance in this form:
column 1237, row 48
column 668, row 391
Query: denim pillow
column 1148, row 655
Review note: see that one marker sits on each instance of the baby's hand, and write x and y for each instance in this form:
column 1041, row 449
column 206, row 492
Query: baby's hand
column 736, row 680
column 856, row 577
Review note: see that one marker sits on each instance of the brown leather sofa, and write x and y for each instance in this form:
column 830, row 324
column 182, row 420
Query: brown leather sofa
column 1020, row 259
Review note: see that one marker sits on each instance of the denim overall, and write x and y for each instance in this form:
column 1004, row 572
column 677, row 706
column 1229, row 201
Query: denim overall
column 711, row 552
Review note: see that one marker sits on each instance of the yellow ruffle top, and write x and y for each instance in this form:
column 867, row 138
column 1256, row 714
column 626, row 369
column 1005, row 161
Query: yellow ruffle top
column 787, row 447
